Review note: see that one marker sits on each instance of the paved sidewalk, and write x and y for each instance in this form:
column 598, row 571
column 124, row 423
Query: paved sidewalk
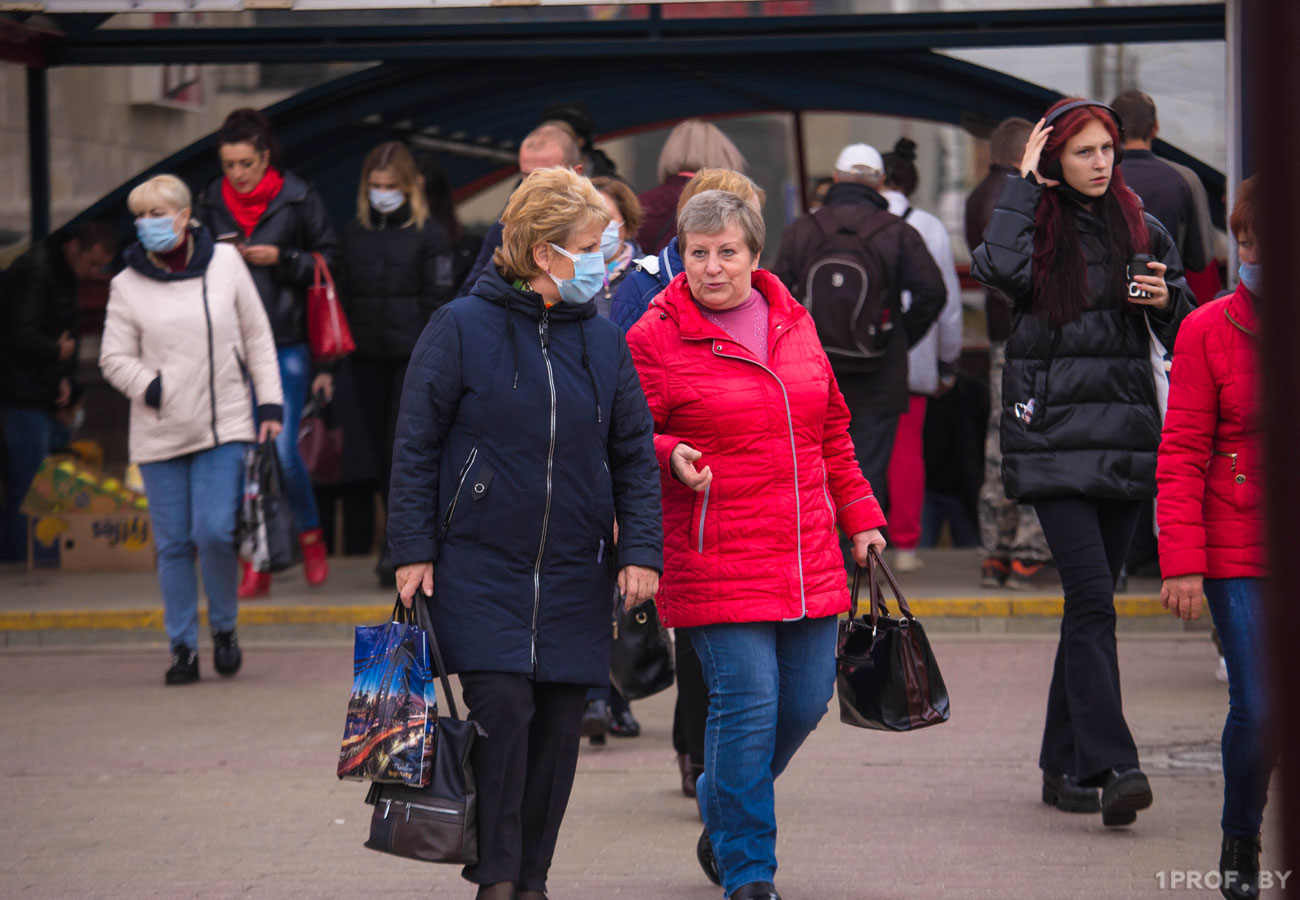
column 114, row 786
column 53, row 607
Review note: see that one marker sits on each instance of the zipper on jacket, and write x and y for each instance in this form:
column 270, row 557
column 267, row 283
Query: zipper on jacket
column 460, row 483
column 1240, row 479
column 704, row 511
column 544, row 338
column 794, row 459
column 212, row 363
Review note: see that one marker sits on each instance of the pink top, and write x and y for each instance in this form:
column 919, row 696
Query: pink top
column 746, row 323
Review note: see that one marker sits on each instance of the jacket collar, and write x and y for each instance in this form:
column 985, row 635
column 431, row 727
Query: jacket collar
column 1240, row 310
column 676, row 302
column 852, row 192
column 139, row 260
column 496, row 290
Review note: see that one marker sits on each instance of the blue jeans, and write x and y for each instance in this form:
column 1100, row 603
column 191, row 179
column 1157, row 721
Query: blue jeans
column 295, row 381
column 769, row 683
column 1236, row 605
column 193, row 504
column 27, row 440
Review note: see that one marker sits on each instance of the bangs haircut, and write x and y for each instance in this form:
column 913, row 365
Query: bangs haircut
column 712, row 212
column 159, row 191
column 1244, row 220
column 548, row 207
column 629, row 207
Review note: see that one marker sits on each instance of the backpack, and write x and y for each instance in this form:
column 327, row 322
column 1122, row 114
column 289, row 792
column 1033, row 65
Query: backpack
column 848, row 289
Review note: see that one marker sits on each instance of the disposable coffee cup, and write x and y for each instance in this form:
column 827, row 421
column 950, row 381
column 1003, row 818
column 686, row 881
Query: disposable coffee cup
column 1138, row 266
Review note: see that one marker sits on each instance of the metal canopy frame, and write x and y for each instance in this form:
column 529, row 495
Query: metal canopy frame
column 434, row 77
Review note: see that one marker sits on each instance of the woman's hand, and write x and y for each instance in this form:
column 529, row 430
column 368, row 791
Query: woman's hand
column 1182, row 596
column 323, row 384
column 682, row 464
column 412, row 578
column 269, row 431
column 637, row 584
column 865, row 540
column 261, row 254
column 1034, row 152
column 1154, row 285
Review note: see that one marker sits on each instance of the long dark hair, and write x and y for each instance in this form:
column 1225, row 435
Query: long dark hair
column 900, row 167
column 248, row 126
column 1060, row 272
column 437, row 191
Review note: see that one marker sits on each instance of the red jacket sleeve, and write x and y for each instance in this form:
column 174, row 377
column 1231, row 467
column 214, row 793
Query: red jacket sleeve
column 856, row 508
column 1185, row 449
column 654, row 384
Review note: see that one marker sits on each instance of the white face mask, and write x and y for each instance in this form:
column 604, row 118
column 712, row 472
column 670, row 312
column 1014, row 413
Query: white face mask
column 386, row 201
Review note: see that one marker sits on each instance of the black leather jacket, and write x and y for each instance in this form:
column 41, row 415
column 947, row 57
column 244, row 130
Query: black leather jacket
column 295, row 221
column 1094, row 426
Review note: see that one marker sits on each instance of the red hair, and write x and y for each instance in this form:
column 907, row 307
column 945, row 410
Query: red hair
column 1060, row 272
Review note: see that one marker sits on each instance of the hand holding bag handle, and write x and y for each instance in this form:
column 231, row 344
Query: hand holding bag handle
column 418, row 613
column 877, row 599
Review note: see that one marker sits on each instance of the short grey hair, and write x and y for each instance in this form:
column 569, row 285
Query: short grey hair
column 695, row 144
column 166, row 191
column 711, row 212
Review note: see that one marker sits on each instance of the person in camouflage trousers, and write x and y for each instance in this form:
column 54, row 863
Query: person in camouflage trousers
column 1015, row 551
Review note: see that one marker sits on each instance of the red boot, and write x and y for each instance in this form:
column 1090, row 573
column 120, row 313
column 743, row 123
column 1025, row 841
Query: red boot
column 315, row 563
column 253, row 585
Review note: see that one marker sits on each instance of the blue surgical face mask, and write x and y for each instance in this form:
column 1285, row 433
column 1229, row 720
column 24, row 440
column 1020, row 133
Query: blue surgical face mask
column 156, row 233
column 386, row 201
column 588, row 276
column 610, row 243
column 1252, row 276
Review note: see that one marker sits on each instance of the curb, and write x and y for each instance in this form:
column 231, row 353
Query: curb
column 1126, row 606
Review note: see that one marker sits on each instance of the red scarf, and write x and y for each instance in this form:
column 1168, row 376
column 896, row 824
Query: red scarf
column 248, row 208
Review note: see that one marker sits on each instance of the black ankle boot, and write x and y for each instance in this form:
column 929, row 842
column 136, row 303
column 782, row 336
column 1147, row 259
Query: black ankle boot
column 1239, row 867
column 1066, row 794
column 1124, row 791
column 756, row 890
column 185, row 666
column 708, row 862
column 226, row 656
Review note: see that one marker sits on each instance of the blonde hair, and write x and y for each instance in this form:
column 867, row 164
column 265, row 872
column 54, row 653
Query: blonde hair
column 394, row 158
column 629, row 207
column 723, row 180
column 161, row 190
column 711, row 212
column 548, row 207
column 696, row 144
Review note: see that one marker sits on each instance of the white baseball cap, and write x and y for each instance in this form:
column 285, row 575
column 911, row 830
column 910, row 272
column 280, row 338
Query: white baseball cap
column 859, row 156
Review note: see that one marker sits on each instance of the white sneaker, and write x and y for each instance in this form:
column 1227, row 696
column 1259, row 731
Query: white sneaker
column 907, row 561
column 1222, row 673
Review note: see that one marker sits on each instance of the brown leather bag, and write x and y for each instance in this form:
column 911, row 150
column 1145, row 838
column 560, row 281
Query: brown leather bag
column 886, row 674
column 438, row 823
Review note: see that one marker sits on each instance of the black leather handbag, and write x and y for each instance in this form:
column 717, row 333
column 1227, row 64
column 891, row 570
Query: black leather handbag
column 886, row 674
column 641, row 655
column 438, row 823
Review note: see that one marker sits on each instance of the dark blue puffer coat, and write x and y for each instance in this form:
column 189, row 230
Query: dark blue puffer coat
column 646, row 280
column 523, row 433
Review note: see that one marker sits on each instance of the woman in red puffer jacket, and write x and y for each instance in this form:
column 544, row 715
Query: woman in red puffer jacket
column 1211, row 514
column 757, row 469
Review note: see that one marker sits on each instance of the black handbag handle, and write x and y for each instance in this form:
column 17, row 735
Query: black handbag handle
column 876, row 562
column 418, row 614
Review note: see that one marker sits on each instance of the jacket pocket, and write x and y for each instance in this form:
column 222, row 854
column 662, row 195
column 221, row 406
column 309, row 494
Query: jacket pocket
column 699, row 519
column 450, row 514
column 826, row 490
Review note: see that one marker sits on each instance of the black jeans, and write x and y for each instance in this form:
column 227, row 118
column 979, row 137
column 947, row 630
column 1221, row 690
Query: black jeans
column 524, row 770
column 691, row 713
column 1085, row 733
column 379, row 388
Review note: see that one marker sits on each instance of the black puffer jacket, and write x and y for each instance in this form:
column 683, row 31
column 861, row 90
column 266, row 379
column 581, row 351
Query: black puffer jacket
column 295, row 221
column 1094, row 426
column 391, row 279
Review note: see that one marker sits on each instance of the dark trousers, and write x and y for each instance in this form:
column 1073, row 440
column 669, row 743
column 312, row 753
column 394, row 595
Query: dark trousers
column 873, row 442
column 1085, row 733
column 691, row 714
column 524, row 770
column 379, row 388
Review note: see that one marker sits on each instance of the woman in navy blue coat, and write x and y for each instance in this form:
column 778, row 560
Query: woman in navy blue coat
column 523, row 438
